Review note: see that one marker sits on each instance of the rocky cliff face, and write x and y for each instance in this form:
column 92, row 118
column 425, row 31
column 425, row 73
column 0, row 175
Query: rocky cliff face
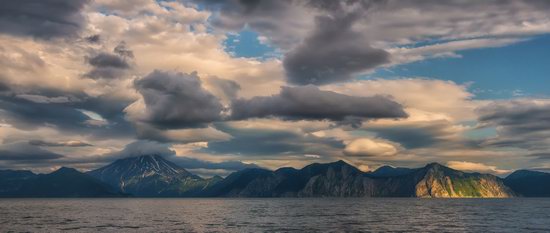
column 441, row 181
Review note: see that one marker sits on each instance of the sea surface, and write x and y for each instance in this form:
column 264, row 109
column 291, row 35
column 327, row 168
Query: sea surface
column 275, row 215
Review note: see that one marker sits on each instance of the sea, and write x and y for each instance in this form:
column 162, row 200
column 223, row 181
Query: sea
column 275, row 215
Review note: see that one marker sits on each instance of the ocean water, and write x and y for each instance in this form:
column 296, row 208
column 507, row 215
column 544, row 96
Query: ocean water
column 275, row 215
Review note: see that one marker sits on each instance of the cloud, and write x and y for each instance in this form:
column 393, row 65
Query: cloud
column 366, row 147
column 346, row 33
column 174, row 100
column 73, row 143
column 44, row 19
column 122, row 50
column 27, row 114
column 270, row 18
column 322, row 45
column 431, row 98
column 446, row 49
column 334, row 52
column 23, row 151
column 44, row 99
column 110, row 65
column 207, row 134
column 224, row 88
column 419, row 134
column 94, row 39
column 523, row 123
column 312, row 156
column 193, row 163
column 249, row 140
column 96, row 116
column 309, row 102
column 108, row 60
column 476, row 167
column 437, row 110
column 143, row 147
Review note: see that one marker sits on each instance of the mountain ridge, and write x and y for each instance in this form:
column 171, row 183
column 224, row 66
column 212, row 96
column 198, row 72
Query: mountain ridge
column 154, row 176
column 64, row 182
column 529, row 183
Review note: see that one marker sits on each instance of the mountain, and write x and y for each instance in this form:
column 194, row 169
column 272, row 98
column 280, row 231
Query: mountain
column 340, row 179
column 387, row 171
column 529, row 183
column 154, row 176
column 11, row 181
column 440, row 181
column 151, row 176
column 65, row 182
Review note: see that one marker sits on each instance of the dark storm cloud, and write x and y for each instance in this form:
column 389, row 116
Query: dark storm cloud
column 332, row 53
column 410, row 138
column 41, row 18
column 308, row 102
column 437, row 133
column 519, row 123
column 265, row 142
column 108, row 60
column 270, row 18
column 110, row 65
column 58, row 144
column 26, row 114
column 518, row 117
column 17, row 109
column 177, row 100
column 94, row 39
column 22, row 151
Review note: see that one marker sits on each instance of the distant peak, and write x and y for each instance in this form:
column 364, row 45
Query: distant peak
column 525, row 173
column 65, row 170
column 340, row 162
column 144, row 166
column 385, row 167
column 434, row 164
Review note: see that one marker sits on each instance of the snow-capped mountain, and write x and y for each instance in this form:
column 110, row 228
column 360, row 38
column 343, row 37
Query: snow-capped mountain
column 150, row 175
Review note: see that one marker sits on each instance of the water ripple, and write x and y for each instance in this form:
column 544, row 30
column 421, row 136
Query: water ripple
column 275, row 215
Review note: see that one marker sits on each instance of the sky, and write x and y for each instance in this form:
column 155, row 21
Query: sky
column 222, row 85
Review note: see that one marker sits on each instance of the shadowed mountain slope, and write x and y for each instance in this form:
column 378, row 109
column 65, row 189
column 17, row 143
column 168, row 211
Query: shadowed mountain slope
column 529, row 183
